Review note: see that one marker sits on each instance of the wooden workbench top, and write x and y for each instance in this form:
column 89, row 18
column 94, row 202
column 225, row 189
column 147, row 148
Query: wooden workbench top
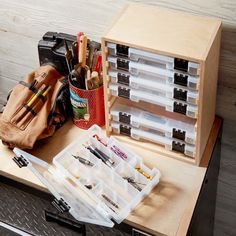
column 169, row 207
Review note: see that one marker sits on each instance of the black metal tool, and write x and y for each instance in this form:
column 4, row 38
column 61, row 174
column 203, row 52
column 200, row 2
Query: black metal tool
column 100, row 155
column 83, row 160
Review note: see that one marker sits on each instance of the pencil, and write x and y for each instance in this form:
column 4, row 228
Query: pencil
column 33, row 99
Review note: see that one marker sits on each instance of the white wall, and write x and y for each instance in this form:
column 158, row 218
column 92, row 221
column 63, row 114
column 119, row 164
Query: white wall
column 23, row 22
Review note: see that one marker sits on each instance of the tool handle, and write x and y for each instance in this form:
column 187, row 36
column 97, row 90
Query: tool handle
column 82, row 50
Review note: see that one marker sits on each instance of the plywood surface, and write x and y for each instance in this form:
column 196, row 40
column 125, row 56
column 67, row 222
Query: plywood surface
column 179, row 34
column 162, row 211
column 207, row 94
column 23, row 22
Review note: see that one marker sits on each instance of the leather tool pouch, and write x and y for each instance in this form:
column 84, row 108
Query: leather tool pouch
column 36, row 108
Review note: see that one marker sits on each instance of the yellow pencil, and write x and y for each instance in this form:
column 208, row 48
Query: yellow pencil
column 33, row 99
column 46, row 91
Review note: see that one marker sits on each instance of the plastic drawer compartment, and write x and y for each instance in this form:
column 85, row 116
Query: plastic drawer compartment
column 154, row 98
column 169, row 127
column 150, row 135
column 140, row 55
column 147, row 69
column 154, row 84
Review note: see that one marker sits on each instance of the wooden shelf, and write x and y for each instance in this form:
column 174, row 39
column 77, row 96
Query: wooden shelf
column 176, row 35
column 169, row 207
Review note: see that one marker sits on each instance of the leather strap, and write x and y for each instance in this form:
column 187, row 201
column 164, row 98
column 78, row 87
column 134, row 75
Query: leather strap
column 30, row 110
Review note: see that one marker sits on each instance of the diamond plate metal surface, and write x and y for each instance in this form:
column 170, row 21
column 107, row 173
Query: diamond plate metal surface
column 25, row 211
column 6, row 232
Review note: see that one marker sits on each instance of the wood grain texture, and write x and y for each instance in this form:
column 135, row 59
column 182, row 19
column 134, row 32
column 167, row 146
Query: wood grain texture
column 207, row 95
column 23, row 22
column 166, row 210
column 227, row 70
column 226, row 104
column 192, row 38
column 210, row 142
column 229, row 135
column 225, row 216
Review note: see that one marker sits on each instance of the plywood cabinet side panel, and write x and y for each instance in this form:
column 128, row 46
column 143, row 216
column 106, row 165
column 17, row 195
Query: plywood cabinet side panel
column 208, row 94
column 199, row 112
column 105, row 85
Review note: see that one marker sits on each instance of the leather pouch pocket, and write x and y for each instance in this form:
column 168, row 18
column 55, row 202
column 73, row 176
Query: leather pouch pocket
column 25, row 115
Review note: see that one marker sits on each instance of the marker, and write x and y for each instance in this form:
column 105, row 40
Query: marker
column 99, row 62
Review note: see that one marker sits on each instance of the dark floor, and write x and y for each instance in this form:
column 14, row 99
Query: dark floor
column 225, row 216
column 23, row 209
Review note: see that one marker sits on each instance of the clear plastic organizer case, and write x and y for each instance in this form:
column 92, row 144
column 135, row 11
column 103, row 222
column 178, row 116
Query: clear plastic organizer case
column 154, row 136
column 155, row 84
column 138, row 118
column 153, row 97
column 138, row 55
column 97, row 177
column 144, row 68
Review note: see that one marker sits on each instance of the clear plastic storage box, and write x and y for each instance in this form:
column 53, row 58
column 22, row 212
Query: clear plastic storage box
column 154, row 136
column 139, row 118
column 155, row 84
column 153, row 97
column 140, row 55
column 95, row 190
column 145, row 68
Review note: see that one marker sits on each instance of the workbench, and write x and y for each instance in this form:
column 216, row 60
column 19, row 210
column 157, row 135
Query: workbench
column 174, row 207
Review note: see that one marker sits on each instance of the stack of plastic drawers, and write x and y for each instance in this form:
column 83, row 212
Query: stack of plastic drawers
column 160, row 79
column 144, row 76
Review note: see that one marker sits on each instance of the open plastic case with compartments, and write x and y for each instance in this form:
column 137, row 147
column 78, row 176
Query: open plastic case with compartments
column 92, row 190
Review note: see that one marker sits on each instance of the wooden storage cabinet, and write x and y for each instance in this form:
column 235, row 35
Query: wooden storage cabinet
column 160, row 78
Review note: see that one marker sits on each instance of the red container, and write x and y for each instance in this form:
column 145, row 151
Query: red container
column 88, row 107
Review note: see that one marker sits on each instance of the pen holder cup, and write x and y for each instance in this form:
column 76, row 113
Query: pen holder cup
column 87, row 106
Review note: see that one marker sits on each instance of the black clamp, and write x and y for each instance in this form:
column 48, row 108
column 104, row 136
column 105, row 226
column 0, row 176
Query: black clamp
column 20, row 161
column 61, row 205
